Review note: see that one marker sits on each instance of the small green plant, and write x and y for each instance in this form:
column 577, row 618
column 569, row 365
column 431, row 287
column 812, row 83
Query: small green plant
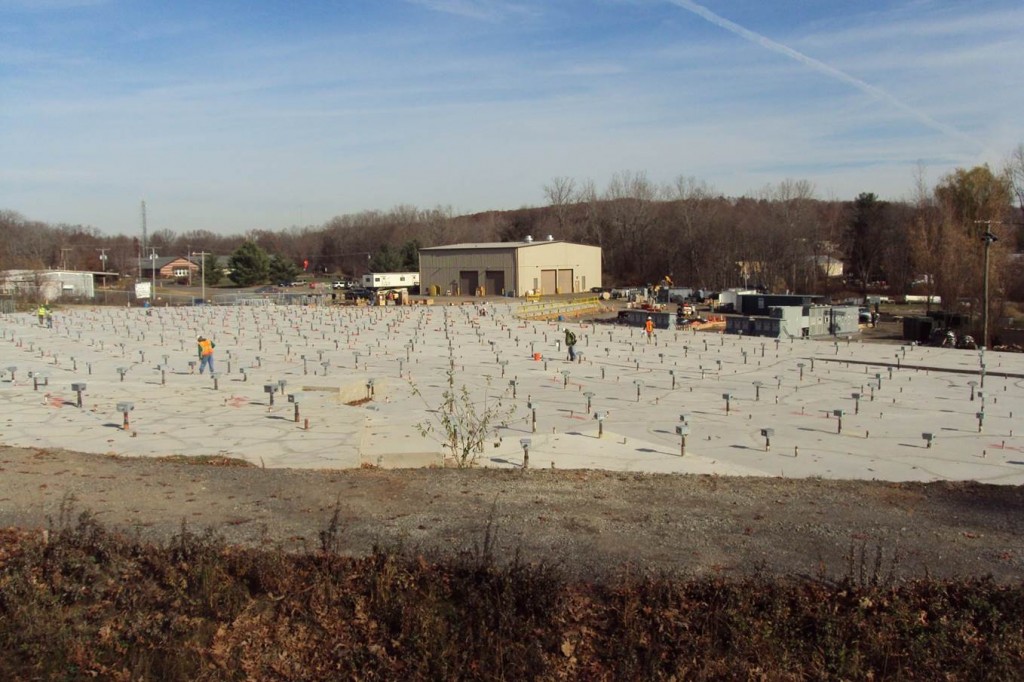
column 463, row 423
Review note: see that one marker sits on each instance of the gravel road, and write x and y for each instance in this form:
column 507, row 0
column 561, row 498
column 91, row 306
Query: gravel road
column 593, row 523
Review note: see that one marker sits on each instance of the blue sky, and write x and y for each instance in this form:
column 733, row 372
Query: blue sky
column 235, row 115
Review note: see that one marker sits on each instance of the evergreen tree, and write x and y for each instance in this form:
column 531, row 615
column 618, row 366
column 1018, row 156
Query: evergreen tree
column 411, row 256
column 249, row 265
column 211, row 270
column 282, row 269
column 386, row 260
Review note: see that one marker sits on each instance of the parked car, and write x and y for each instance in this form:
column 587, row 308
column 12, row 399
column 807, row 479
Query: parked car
column 339, row 285
column 356, row 293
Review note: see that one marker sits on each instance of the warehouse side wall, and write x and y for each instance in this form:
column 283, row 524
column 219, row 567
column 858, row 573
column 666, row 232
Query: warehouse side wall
column 446, row 272
column 558, row 268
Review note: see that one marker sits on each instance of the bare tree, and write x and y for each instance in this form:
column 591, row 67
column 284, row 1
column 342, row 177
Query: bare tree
column 561, row 194
column 629, row 213
column 1015, row 173
column 438, row 223
column 693, row 211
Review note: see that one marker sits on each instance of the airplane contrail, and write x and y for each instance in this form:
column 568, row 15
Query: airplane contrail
column 822, row 67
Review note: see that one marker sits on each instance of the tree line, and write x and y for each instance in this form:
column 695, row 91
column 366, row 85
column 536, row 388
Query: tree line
column 782, row 238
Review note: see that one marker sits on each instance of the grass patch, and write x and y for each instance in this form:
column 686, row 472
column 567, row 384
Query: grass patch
column 81, row 601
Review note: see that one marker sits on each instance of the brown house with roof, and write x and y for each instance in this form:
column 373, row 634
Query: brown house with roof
column 172, row 267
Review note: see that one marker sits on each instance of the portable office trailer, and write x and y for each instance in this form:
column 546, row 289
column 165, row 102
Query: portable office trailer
column 391, row 280
column 759, row 304
column 49, row 285
column 795, row 321
column 510, row 268
column 829, row 320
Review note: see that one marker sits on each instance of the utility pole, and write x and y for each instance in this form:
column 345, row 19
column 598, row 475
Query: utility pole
column 102, row 264
column 202, row 272
column 142, row 245
column 987, row 238
column 152, row 267
column 64, row 257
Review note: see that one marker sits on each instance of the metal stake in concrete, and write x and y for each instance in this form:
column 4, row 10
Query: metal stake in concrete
column 928, row 438
column 727, row 397
column 600, row 417
column 839, row 415
column 525, row 444
column 36, row 376
column 683, row 431
column 856, row 402
column 78, row 388
column 767, row 433
column 757, row 390
column 125, row 408
column 122, row 371
column 295, row 398
column 269, row 389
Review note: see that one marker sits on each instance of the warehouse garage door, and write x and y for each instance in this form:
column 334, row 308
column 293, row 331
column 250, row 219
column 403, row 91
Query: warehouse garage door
column 565, row 281
column 469, row 280
column 548, row 281
column 494, row 282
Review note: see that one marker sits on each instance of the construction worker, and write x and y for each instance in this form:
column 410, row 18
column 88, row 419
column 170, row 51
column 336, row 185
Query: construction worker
column 649, row 328
column 570, row 344
column 41, row 313
column 205, row 349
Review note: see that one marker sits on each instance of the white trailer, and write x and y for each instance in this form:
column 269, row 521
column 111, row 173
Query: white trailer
column 391, row 280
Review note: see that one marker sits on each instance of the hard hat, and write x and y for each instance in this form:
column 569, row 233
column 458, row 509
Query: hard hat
column 199, row 338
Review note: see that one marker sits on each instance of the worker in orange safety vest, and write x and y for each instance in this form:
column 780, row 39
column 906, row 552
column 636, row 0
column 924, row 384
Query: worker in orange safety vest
column 205, row 348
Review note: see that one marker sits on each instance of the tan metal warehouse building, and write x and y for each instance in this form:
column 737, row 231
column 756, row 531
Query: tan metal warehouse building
column 510, row 268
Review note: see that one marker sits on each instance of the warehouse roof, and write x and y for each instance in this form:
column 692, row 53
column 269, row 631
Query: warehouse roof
column 483, row 246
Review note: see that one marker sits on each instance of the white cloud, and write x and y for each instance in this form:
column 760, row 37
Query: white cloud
column 484, row 10
column 827, row 70
column 49, row 5
column 885, row 29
